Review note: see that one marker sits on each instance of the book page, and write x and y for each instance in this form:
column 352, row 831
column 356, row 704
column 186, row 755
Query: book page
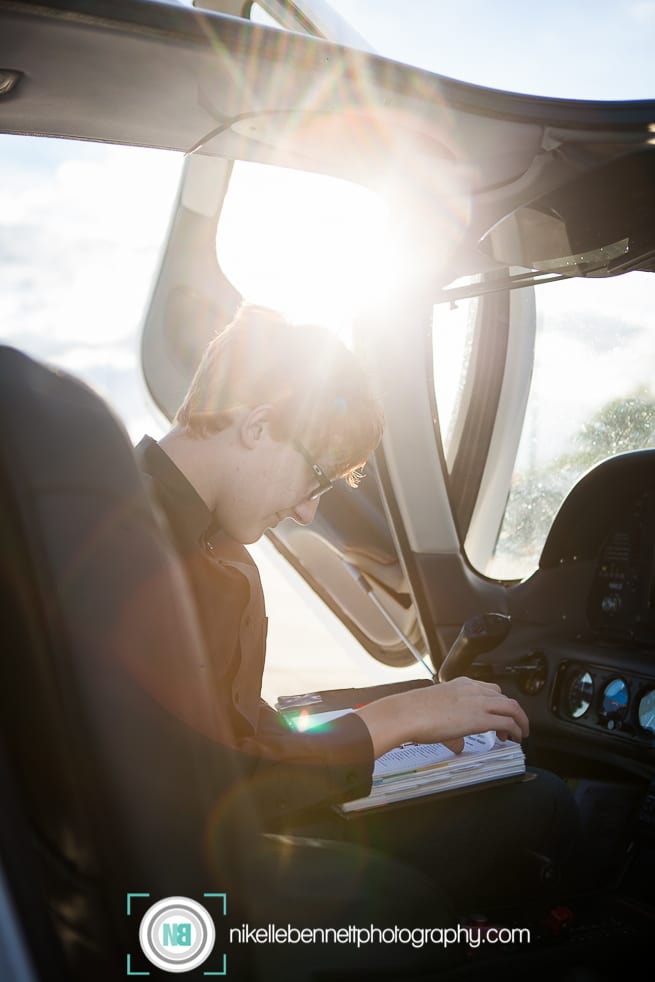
column 416, row 769
column 410, row 756
column 416, row 756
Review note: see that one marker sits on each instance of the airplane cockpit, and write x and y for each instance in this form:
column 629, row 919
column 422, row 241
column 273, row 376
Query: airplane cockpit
column 489, row 257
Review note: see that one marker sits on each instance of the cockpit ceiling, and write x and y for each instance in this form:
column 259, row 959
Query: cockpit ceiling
column 240, row 89
column 184, row 74
column 188, row 80
column 600, row 224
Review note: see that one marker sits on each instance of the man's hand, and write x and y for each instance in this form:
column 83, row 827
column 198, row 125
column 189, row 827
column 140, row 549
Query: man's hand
column 456, row 745
column 443, row 714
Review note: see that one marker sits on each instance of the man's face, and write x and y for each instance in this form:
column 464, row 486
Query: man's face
column 274, row 480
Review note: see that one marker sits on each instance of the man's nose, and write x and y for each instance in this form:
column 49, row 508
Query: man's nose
column 305, row 511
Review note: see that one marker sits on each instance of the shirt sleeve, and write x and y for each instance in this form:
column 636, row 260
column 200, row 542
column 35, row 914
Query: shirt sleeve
column 295, row 772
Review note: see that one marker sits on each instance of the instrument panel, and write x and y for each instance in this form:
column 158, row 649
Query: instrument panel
column 621, row 601
column 620, row 608
column 599, row 697
column 589, row 612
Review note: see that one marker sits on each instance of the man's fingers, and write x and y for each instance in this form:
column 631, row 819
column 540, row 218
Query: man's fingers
column 505, row 729
column 510, row 709
column 456, row 745
column 464, row 679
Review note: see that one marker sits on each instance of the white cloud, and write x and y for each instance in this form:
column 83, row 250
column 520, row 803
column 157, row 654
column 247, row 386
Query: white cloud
column 81, row 227
column 643, row 12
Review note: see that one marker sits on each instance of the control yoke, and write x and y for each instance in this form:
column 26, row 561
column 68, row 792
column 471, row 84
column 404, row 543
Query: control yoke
column 479, row 634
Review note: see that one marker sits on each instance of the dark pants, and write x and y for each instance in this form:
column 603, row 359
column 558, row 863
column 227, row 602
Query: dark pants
column 423, row 865
column 488, row 846
column 306, row 883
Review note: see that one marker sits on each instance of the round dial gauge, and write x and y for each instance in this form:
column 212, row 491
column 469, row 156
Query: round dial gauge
column 614, row 702
column 646, row 711
column 580, row 693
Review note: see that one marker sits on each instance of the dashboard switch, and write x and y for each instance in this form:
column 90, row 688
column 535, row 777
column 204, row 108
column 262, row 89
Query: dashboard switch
column 610, row 604
column 559, row 920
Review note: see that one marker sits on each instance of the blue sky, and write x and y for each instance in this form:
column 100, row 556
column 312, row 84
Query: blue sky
column 581, row 49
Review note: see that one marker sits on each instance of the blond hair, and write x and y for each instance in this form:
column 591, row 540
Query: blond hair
column 317, row 388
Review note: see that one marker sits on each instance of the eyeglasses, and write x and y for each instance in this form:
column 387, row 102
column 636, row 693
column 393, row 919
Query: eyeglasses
column 324, row 483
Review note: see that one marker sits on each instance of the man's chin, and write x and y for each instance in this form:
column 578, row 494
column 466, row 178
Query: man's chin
column 251, row 537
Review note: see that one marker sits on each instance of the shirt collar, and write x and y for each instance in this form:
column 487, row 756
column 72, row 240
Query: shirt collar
column 186, row 511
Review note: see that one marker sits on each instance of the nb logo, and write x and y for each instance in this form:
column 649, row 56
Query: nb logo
column 177, row 934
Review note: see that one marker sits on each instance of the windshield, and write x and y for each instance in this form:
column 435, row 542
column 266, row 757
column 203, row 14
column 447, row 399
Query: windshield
column 581, row 50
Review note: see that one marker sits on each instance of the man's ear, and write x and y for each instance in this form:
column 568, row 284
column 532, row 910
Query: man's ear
column 255, row 426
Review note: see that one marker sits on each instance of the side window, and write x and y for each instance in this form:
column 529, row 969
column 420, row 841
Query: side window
column 81, row 228
column 258, row 15
column 453, row 327
column 592, row 396
column 476, row 347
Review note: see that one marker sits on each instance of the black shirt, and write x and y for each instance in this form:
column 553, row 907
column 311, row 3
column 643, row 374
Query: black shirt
column 291, row 771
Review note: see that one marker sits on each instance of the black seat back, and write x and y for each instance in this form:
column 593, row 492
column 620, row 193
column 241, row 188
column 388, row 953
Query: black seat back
column 111, row 758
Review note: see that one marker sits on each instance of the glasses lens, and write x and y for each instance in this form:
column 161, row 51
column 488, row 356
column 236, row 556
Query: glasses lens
column 321, row 490
column 324, row 484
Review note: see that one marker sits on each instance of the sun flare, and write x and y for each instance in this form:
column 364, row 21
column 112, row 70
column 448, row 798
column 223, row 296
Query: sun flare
column 315, row 247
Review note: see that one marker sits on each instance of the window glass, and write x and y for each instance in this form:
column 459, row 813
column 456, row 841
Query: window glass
column 258, row 15
column 592, row 396
column 306, row 244
column 81, row 228
column 453, row 327
column 581, row 50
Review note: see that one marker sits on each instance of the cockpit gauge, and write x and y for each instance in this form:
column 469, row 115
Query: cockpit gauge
column 646, row 711
column 614, row 703
column 580, row 693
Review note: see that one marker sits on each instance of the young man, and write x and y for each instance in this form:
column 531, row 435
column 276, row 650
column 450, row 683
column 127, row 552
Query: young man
column 274, row 415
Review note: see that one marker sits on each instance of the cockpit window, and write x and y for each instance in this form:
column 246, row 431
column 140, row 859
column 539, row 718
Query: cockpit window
column 453, row 327
column 601, row 55
column 258, row 15
column 591, row 396
column 81, row 229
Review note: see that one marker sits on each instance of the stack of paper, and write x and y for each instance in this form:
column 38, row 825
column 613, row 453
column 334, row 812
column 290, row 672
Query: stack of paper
column 418, row 769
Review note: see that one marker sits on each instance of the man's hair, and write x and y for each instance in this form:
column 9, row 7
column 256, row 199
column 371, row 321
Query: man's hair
column 317, row 387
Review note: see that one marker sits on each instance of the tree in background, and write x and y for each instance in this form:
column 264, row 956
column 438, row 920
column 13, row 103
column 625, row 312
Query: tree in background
column 621, row 425
column 618, row 426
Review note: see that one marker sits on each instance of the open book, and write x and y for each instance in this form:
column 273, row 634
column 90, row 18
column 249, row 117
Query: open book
column 418, row 769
